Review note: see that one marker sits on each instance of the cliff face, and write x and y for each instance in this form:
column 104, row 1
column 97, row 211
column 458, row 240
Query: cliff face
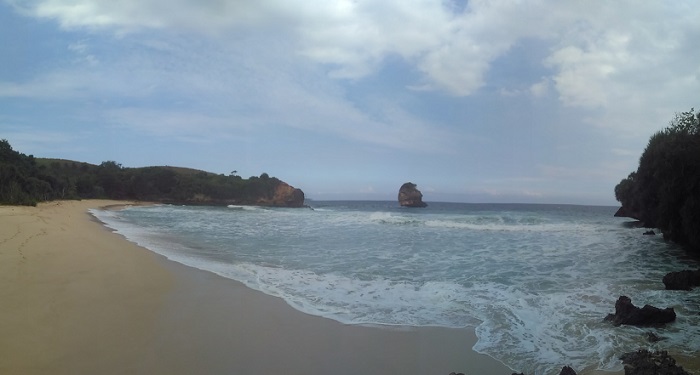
column 284, row 196
column 410, row 196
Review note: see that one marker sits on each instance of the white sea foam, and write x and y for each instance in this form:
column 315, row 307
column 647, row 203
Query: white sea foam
column 535, row 286
column 245, row 208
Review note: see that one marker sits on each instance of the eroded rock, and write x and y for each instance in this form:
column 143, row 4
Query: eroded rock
column 644, row 362
column 410, row 196
column 682, row 280
column 628, row 314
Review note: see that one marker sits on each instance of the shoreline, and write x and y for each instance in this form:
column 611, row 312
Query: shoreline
column 79, row 298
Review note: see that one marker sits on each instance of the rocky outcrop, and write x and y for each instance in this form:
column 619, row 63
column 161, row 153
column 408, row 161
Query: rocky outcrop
column 644, row 362
column 626, row 212
column 284, row 195
column 409, row 196
column 628, row 314
column 682, row 280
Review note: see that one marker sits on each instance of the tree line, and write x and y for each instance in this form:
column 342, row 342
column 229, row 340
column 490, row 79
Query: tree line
column 664, row 191
column 26, row 180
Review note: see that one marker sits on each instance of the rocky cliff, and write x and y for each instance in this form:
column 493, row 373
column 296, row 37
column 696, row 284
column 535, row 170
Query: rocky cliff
column 410, row 196
column 284, row 196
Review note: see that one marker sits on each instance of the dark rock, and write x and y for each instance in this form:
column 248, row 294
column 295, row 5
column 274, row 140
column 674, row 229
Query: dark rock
column 629, row 314
column 409, row 196
column 566, row 370
column 515, row 373
column 682, row 280
column 649, row 233
column 644, row 362
column 625, row 212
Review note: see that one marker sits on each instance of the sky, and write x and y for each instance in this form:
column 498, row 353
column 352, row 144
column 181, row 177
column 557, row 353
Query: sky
column 541, row 101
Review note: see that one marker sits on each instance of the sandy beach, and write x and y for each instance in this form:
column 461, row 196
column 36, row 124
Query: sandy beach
column 79, row 299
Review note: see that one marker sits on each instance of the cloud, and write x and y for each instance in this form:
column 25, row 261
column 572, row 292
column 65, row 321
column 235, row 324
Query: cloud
column 453, row 50
column 192, row 89
column 540, row 88
column 25, row 137
column 596, row 45
column 610, row 59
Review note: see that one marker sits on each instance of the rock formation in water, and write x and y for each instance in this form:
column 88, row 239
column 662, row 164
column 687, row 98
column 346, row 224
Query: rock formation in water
column 682, row 280
column 410, row 196
column 644, row 362
column 628, row 314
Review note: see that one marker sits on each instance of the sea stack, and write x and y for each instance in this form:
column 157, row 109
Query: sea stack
column 409, row 196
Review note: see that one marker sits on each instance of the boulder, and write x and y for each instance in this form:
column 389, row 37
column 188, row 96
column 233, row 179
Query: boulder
column 682, row 280
column 628, row 314
column 409, row 196
column 644, row 362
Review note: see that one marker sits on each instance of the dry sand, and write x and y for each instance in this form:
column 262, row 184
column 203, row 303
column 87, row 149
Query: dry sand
column 76, row 298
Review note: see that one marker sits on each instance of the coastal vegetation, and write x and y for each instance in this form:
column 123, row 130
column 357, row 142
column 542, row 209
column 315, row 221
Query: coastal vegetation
column 26, row 180
column 664, row 191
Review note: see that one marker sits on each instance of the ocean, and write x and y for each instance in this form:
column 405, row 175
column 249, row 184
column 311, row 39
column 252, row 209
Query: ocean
column 534, row 281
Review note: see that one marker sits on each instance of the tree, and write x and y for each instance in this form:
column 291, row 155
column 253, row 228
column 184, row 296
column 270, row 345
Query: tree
column 664, row 192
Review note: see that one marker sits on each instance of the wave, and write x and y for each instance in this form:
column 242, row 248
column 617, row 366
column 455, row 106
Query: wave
column 492, row 223
column 246, row 208
column 535, row 301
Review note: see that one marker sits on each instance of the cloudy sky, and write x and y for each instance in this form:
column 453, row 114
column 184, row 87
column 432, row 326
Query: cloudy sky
column 477, row 101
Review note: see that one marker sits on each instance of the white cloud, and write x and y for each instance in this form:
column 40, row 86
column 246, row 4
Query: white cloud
column 540, row 88
column 619, row 60
column 352, row 38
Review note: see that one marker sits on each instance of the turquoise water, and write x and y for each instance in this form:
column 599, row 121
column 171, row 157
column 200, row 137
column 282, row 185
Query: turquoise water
column 535, row 281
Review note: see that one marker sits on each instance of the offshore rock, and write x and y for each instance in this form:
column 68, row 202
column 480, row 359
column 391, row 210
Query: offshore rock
column 628, row 314
column 644, row 362
column 409, row 196
column 682, row 280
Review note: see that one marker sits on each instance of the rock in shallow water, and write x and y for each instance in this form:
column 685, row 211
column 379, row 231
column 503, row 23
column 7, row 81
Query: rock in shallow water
column 644, row 362
column 629, row 314
column 682, row 280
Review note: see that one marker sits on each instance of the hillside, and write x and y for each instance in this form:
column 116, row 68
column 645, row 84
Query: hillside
column 27, row 180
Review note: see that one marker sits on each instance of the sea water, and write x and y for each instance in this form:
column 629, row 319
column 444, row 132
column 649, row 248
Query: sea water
column 535, row 281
